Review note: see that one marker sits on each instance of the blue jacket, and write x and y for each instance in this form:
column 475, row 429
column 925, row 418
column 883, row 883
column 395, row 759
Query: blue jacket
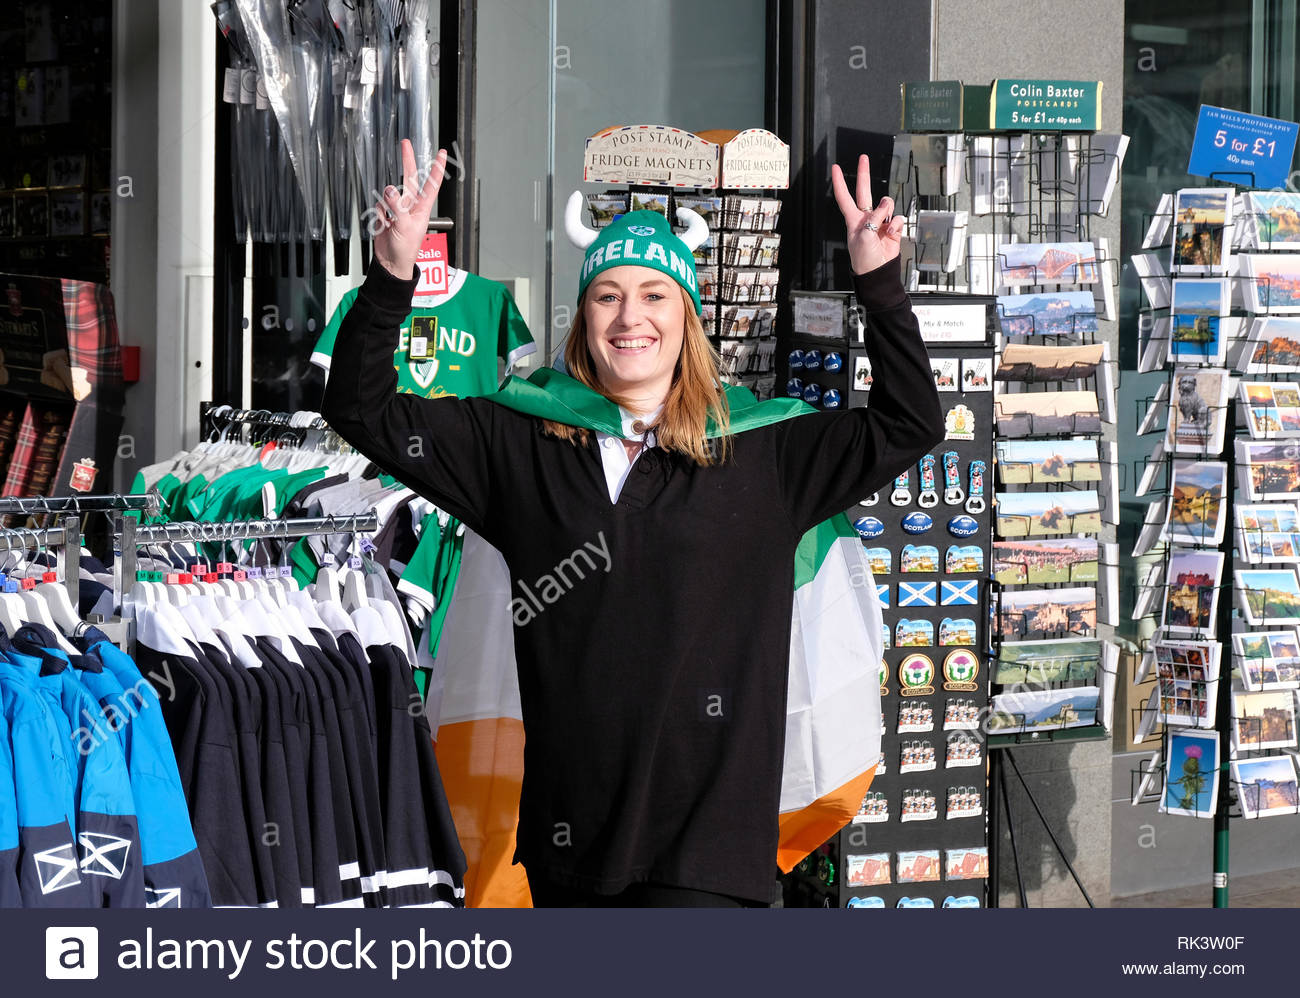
column 10, row 894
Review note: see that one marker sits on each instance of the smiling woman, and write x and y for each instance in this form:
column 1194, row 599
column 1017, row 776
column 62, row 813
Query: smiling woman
column 654, row 693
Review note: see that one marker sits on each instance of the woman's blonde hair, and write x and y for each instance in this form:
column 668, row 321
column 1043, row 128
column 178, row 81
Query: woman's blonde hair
column 695, row 395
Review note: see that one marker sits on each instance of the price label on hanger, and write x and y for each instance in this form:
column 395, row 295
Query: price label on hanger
column 253, row 573
column 49, row 577
column 285, row 572
column 432, row 265
column 240, row 576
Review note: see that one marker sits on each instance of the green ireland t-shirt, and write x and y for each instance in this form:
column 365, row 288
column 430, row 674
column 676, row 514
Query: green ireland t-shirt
column 476, row 322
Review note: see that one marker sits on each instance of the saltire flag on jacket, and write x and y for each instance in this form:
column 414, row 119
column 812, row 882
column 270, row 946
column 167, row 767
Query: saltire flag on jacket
column 832, row 735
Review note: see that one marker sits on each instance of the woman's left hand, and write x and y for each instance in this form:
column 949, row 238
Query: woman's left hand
column 874, row 234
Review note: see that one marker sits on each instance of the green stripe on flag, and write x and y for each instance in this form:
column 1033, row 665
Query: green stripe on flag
column 816, row 544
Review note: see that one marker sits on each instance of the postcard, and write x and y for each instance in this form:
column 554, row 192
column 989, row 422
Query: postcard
column 1272, row 283
column 1034, row 363
column 1159, row 227
column 1192, row 774
column 1032, row 514
column 1156, row 407
column 1045, row 562
column 1269, row 470
column 1268, row 532
column 1187, row 681
column 1263, row 720
column 1266, row 786
column 866, row 870
column 919, row 866
column 1273, row 346
column 1274, row 217
column 1269, row 596
column 1026, row 462
column 1192, row 591
column 1044, row 710
column 1149, row 772
column 1202, row 230
column 1196, row 494
column 1196, row 332
column 940, row 238
column 1037, row 662
column 1268, row 660
column 1272, row 408
column 1022, row 264
column 1196, row 411
column 1065, row 313
column 1028, row 613
column 1024, row 414
column 966, row 864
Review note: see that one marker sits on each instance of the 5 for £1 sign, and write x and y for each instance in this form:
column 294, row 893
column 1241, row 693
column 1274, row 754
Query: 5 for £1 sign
column 1240, row 148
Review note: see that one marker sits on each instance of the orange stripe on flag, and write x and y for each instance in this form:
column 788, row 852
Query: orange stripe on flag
column 804, row 830
column 482, row 767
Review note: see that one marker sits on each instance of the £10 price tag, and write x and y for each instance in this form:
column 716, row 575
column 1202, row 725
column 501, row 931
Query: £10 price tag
column 1240, row 148
column 431, row 262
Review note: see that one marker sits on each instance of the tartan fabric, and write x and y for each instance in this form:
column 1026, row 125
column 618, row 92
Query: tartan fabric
column 9, row 419
column 20, row 464
column 92, row 338
column 52, row 431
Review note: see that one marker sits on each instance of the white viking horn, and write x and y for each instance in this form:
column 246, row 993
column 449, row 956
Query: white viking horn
column 579, row 234
column 697, row 229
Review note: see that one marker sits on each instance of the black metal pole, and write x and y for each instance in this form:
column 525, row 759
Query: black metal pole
column 1223, row 629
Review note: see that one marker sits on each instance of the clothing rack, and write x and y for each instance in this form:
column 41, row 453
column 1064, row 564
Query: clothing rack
column 34, row 505
column 216, row 418
column 64, row 541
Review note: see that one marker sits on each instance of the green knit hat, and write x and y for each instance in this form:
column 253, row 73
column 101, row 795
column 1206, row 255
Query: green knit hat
column 641, row 239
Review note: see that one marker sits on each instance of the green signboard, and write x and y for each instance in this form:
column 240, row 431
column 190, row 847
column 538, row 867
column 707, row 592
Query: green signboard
column 1046, row 105
column 933, row 106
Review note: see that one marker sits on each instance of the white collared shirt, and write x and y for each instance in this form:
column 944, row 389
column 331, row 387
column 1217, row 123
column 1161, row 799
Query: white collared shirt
column 613, row 455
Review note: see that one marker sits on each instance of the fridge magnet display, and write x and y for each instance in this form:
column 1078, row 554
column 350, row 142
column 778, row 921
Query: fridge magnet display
column 952, row 490
column 1022, row 264
column 1192, row 591
column 869, row 870
column 929, row 495
column 1268, row 531
column 917, row 594
column 1035, row 462
column 1031, row 363
column 916, row 673
column 959, row 671
column 966, row 593
column 918, row 866
column 1273, row 346
column 1202, row 238
column 883, row 671
column 1047, row 562
column 963, row 751
column 1196, row 411
column 961, row 559
column 882, row 594
column 641, row 201
column 956, row 631
column 907, row 902
column 1268, row 660
column 1027, row 613
column 1196, row 493
column 1272, row 408
column 1269, row 596
column 965, row 901
column 975, row 493
column 1264, row 720
column 874, row 901
column 1038, row 662
column 916, row 757
column 914, row 634
column 873, row 810
column 901, row 495
column 1044, row 710
column 1196, row 332
column 915, row 717
column 919, row 558
column 1272, row 283
column 959, row 423
column 945, row 371
column 1272, row 219
column 919, row 805
column 861, row 374
column 880, row 560
column 1032, row 514
column 1269, row 470
column 977, row 374
column 1191, row 774
column 917, row 522
column 708, row 208
column 604, row 208
column 966, row 864
column 961, row 715
column 1025, row 414
column 1067, row 313
column 1266, row 786
column 868, row 526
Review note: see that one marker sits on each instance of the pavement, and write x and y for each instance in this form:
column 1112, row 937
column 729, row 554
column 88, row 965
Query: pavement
column 1279, row 889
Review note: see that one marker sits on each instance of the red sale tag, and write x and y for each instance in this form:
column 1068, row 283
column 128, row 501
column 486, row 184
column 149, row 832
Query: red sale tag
column 432, row 265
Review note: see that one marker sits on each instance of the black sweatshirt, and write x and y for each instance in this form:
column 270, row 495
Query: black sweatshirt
column 654, row 692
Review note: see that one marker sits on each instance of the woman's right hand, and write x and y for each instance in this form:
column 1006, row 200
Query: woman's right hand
column 402, row 217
